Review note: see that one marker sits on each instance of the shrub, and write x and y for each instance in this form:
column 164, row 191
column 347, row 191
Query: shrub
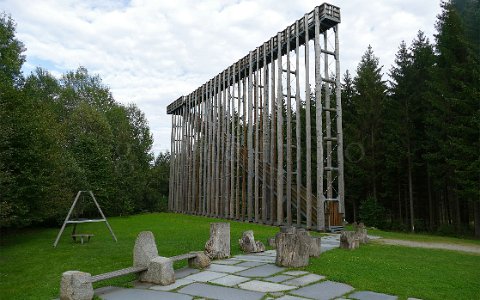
column 372, row 213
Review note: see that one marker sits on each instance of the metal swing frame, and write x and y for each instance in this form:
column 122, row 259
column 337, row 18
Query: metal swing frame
column 68, row 221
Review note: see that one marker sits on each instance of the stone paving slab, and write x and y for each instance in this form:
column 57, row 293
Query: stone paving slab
column 279, row 278
column 205, row 276
column 323, row 291
column 266, row 287
column 250, row 264
column 228, row 261
column 178, row 283
column 261, row 271
column 304, row 280
column 128, row 294
column 295, row 273
column 288, row 297
column 367, row 295
column 261, row 258
column 229, row 280
column 184, row 272
column 225, row 268
column 267, row 253
column 219, row 292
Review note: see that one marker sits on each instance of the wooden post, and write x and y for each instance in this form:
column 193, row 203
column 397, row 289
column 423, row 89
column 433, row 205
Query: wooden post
column 209, row 148
column 279, row 133
column 244, row 147
column 308, row 127
column 203, row 162
column 328, row 128
column 223, row 171
column 273, row 137
column 232, row 144
column 266, row 137
column 298, row 132
column 257, row 134
column 289, row 134
column 211, row 164
column 338, row 97
column 217, row 157
column 172, row 161
column 250, row 139
column 319, row 125
column 238, row 158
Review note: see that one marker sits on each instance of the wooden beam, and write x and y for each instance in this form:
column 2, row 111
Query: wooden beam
column 289, row 135
column 319, row 125
column 257, row 140
column 338, row 96
column 250, row 139
column 266, row 139
column 273, row 140
column 298, row 132
column 279, row 134
column 308, row 128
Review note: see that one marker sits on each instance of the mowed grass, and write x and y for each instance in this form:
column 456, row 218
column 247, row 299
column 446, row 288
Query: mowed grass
column 403, row 271
column 421, row 237
column 30, row 268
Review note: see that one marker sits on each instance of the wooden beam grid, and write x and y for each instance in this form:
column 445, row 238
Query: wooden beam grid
column 235, row 153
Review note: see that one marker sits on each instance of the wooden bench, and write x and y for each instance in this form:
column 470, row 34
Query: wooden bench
column 132, row 270
column 117, row 273
column 82, row 236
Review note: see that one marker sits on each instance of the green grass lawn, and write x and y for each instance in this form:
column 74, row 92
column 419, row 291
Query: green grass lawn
column 30, row 268
column 420, row 237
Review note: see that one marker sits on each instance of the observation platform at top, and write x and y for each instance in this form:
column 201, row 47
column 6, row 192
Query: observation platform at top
column 329, row 17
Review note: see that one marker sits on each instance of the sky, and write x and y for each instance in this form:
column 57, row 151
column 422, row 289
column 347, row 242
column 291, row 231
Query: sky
column 152, row 52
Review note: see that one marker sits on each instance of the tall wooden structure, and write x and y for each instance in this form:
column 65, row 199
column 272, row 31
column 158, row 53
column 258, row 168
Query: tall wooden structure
column 242, row 142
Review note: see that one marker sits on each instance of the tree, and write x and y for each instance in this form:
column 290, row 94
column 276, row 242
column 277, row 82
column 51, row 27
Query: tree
column 368, row 104
column 454, row 117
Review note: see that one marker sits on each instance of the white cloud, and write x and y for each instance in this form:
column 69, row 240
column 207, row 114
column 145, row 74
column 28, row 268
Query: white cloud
column 152, row 52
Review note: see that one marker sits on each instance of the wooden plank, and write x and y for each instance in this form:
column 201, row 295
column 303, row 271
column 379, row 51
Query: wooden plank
column 279, row 133
column 308, row 129
column 298, row 132
column 319, row 126
column 183, row 256
column 117, row 273
column 289, row 136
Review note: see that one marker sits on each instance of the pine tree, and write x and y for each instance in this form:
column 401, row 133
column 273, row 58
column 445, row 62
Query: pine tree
column 454, row 118
column 368, row 104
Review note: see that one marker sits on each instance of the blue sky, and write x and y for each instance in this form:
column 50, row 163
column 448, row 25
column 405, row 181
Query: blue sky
column 152, row 52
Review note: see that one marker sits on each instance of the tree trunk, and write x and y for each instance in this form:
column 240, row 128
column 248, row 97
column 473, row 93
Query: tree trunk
column 458, row 219
column 476, row 213
column 430, row 202
column 218, row 246
column 374, row 173
column 292, row 249
column 410, row 189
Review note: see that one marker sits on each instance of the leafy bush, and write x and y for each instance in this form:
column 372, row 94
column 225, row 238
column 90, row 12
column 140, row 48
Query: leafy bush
column 372, row 213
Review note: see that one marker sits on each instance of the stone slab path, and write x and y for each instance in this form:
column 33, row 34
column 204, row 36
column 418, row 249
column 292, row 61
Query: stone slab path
column 246, row 276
